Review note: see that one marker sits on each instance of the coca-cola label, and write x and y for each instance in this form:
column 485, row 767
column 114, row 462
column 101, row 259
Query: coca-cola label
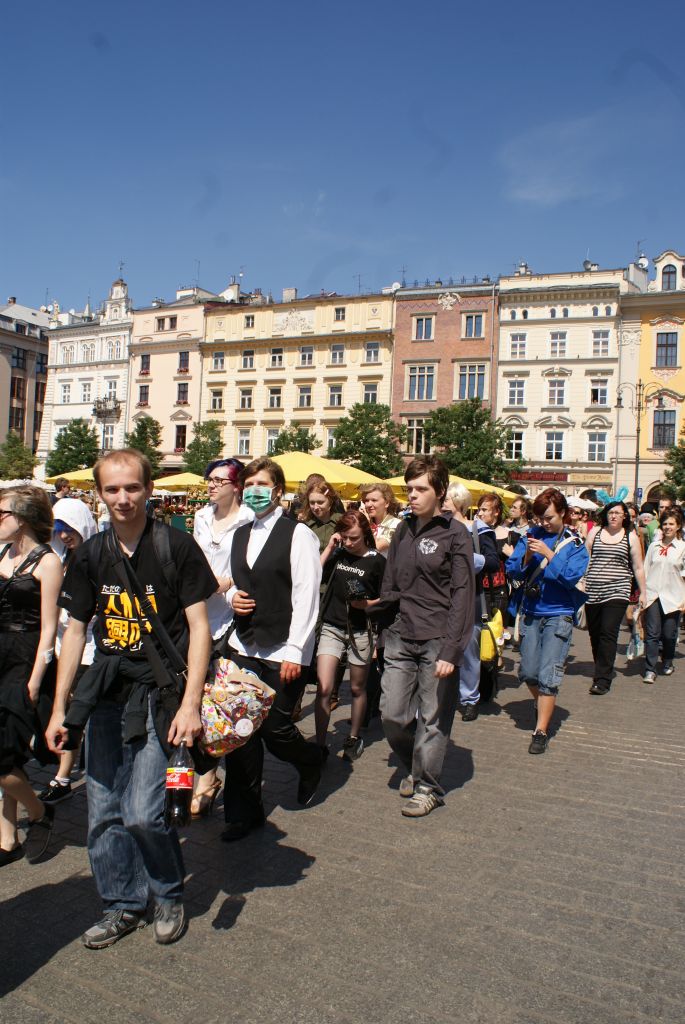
column 179, row 778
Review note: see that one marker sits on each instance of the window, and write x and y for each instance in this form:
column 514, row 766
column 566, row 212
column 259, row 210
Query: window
column 180, row 445
column 217, row 361
column 246, row 398
column 274, row 398
column 554, row 445
column 86, row 391
column 111, row 389
column 516, row 394
column 249, row 321
column 524, row 314
column 217, row 400
column 473, row 325
column 557, row 391
column 370, row 394
column 181, row 394
column 304, row 396
column 417, row 442
column 271, row 438
column 16, row 419
column 472, row 381
column 599, row 392
column 66, row 394
column 159, row 323
column 564, row 312
column 595, row 310
column 664, row 428
column 339, row 313
column 668, row 278
column 421, row 383
column 600, row 343
column 20, row 329
column 597, row 446
column 335, row 395
column 423, row 328
column 42, row 362
column 183, row 362
column 372, row 351
column 40, row 392
column 553, row 314
column 276, row 357
column 337, row 355
column 89, row 353
column 517, row 343
column 667, row 348
column 114, row 348
column 306, row 355
column 145, row 363
column 557, row 344
column 512, row 315
column 67, row 355
column 108, row 437
column 144, row 394
column 243, row 442
column 515, row 445
column 607, row 311
column 18, row 388
column 166, row 323
column 248, row 359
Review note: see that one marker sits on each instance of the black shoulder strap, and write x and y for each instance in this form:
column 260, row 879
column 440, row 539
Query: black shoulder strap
column 161, row 542
column 476, row 545
column 33, row 558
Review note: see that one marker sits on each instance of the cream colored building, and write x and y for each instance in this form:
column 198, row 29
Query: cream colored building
column 268, row 365
column 559, row 372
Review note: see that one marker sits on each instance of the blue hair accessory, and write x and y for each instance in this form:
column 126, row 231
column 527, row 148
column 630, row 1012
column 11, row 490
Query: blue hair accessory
column 606, row 498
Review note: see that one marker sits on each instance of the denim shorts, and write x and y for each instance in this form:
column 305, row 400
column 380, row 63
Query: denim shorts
column 334, row 641
column 545, row 643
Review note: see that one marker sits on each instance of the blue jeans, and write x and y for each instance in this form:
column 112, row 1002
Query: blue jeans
column 545, row 644
column 469, row 670
column 132, row 853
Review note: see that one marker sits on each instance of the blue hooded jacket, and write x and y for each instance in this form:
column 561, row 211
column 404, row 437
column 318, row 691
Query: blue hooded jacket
column 558, row 593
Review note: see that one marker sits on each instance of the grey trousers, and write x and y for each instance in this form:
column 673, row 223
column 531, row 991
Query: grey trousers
column 410, row 686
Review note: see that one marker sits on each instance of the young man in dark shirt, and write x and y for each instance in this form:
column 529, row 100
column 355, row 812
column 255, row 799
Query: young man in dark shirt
column 133, row 855
column 430, row 574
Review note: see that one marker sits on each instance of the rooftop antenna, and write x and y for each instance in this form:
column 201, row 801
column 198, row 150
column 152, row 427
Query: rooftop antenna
column 197, row 273
column 121, row 268
column 403, row 272
column 358, row 279
column 640, row 247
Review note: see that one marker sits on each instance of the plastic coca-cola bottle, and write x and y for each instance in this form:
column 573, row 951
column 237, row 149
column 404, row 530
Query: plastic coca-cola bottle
column 180, row 774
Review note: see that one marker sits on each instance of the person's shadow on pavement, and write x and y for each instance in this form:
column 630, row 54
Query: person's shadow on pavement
column 260, row 861
column 523, row 715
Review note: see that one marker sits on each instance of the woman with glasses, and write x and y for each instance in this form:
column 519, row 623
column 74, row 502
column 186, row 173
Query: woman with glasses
column 214, row 529
column 30, row 581
column 615, row 557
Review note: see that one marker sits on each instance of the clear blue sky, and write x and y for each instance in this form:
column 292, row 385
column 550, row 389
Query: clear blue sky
column 311, row 142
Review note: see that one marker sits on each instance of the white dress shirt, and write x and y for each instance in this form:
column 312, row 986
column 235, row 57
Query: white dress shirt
column 305, row 571
column 219, row 608
column 664, row 575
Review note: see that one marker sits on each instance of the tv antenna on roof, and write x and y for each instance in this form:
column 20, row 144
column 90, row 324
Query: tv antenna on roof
column 121, row 268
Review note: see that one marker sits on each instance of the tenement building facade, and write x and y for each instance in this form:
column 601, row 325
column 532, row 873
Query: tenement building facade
column 23, row 370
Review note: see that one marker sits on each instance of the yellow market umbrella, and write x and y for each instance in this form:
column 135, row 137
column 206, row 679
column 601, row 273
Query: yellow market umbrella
column 297, row 466
column 181, row 482
column 77, row 476
column 476, row 487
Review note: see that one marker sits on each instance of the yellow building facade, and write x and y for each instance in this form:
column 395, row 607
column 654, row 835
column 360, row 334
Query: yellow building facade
column 268, row 365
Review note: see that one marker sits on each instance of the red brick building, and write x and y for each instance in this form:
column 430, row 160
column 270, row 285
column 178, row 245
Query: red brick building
column 445, row 351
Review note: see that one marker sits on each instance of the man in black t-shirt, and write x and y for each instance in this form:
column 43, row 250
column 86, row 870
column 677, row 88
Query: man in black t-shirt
column 133, row 855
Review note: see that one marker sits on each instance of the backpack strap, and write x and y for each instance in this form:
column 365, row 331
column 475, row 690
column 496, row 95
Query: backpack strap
column 161, row 542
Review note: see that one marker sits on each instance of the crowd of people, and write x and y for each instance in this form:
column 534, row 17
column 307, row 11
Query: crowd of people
column 395, row 598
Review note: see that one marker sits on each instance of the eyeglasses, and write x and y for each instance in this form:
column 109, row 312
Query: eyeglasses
column 218, row 481
column 5, row 512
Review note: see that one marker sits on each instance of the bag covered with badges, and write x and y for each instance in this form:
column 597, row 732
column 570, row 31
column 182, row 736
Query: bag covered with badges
column 235, row 702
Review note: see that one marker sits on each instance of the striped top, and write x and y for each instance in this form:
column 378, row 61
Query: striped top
column 610, row 575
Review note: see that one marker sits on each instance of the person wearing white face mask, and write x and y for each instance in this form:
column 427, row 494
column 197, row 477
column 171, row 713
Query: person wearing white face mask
column 275, row 598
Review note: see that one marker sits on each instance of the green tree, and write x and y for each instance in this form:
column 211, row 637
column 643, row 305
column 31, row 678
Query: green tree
column 675, row 476
column 76, row 447
column 146, row 438
column 368, row 438
column 16, row 460
column 470, row 442
column 295, row 439
column 207, row 444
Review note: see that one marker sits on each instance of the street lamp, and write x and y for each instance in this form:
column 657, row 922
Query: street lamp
column 640, row 393
column 106, row 410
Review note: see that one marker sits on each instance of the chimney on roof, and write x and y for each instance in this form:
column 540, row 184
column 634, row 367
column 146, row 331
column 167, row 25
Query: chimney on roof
column 12, row 300
column 289, row 294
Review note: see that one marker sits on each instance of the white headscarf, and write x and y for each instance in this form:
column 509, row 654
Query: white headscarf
column 76, row 514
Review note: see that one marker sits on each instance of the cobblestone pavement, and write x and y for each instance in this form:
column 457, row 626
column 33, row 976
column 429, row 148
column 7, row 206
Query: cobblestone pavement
column 548, row 889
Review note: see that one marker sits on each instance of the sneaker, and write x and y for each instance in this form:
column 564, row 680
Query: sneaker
column 353, row 748
column 169, row 922
column 421, row 803
column 470, row 713
column 538, row 744
column 649, row 677
column 668, row 669
column 113, row 926
column 55, row 792
column 38, row 835
column 407, row 787
column 9, row 856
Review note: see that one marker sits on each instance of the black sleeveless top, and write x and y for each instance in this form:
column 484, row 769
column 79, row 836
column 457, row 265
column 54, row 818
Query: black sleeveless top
column 20, row 595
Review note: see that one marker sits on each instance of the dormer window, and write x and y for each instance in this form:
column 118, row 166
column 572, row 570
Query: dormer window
column 668, row 278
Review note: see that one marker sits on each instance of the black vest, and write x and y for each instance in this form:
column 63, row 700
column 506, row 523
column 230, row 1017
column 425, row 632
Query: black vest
column 269, row 583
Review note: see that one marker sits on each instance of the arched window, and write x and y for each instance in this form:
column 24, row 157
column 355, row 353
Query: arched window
column 668, row 278
column 607, row 311
column 564, row 311
column 68, row 355
column 595, row 311
column 513, row 314
column 89, row 353
column 553, row 313
column 525, row 314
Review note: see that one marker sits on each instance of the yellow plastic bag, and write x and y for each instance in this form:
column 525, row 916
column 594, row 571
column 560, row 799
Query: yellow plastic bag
column 490, row 634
